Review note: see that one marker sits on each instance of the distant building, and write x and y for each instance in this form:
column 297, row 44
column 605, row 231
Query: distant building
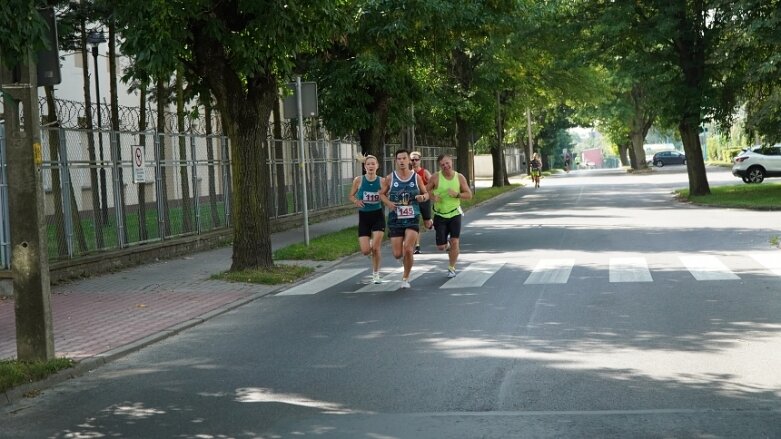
column 592, row 158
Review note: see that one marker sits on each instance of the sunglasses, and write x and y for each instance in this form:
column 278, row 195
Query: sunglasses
column 415, row 160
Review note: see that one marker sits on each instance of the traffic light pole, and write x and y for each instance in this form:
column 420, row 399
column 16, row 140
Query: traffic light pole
column 29, row 263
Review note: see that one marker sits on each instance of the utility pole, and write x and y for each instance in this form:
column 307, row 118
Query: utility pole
column 29, row 264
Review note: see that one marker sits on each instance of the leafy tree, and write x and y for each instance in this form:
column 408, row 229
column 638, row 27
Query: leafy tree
column 679, row 51
column 755, row 30
column 22, row 31
column 367, row 76
column 240, row 51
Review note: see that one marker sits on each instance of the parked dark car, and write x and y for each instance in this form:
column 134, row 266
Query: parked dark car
column 669, row 158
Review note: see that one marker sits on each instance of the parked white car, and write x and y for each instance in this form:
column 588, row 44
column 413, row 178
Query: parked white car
column 757, row 163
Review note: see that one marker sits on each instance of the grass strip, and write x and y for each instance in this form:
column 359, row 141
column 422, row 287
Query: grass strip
column 14, row 373
column 483, row 194
column 766, row 196
column 327, row 247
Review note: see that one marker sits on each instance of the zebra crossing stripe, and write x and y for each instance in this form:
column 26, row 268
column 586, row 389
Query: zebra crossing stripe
column 392, row 281
column 474, row 275
column 771, row 261
column 547, row 271
column 629, row 270
column 323, row 282
column 551, row 271
column 707, row 268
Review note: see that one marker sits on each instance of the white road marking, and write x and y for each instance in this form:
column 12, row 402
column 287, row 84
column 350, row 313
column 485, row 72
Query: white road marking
column 392, row 281
column 706, row 267
column 551, row 271
column 629, row 270
column 323, row 282
column 474, row 275
column 771, row 261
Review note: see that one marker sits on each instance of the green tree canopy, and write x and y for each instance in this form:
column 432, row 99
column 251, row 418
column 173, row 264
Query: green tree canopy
column 241, row 51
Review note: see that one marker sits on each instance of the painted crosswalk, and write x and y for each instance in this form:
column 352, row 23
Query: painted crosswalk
column 552, row 271
column 474, row 275
column 392, row 281
column 322, row 282
column 707, row 267
column 633, row 269
column 771, row 261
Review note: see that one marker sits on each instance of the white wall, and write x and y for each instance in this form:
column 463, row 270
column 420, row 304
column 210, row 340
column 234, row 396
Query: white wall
column 72, row 86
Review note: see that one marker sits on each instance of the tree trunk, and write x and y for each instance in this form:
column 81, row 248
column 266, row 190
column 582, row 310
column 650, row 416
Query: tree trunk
column 637, row 151
column 497, row 152
column 184, row 178
column 143, row 233
column 463, row 137
column 463, row 68
column 279, row 158
column 695, row 164
column 162, row 105
column 207, row 104
column 690, row 45
column 372, row 138
column 93, row 171
column 623, row 149
column 54, row 153
column 247, row 131
column 116, row 154
column 496, row 160
column 245, row 116
column 641, row 122
column 245, row 103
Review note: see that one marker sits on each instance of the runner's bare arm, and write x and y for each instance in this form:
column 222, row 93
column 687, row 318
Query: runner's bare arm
column 354, row 191
column 466, row 191
column 384, row 188
column 431, row 185
column 424, row 196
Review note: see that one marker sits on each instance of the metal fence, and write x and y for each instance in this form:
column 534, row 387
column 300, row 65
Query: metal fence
column 93, row 203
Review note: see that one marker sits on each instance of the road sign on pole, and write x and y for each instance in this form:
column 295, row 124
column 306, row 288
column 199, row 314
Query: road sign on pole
column 139, row 169
column 307, row 98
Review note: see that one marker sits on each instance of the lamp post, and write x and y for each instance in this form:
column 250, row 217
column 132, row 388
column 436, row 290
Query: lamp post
column 94, row 38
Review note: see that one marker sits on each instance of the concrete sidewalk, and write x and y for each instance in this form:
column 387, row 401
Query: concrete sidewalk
column 99, row 319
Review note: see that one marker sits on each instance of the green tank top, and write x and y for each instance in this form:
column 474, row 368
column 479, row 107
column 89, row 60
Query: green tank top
column 447, row 206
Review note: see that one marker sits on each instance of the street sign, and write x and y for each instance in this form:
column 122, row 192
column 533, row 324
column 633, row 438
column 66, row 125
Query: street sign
column 308, row 101
column 139, row 170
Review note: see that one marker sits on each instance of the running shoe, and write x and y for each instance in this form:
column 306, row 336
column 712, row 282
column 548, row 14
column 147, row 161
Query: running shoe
column 451, row 272
column 404, row 284
column 376, row 278
column 417, row 250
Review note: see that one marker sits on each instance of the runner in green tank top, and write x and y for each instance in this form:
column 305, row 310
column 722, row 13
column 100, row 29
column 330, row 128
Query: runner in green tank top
column 447, row 188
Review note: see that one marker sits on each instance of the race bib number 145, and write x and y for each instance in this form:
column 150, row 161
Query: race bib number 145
column 405, row 212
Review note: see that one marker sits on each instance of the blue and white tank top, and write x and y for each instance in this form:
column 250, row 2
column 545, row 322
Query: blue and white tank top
column 369, row 193
column 403, row 193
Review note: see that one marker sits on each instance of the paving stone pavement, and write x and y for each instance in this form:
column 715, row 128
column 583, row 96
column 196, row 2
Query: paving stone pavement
column 112, row 314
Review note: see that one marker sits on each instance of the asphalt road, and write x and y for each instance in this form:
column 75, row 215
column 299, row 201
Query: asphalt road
column 594, row 306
